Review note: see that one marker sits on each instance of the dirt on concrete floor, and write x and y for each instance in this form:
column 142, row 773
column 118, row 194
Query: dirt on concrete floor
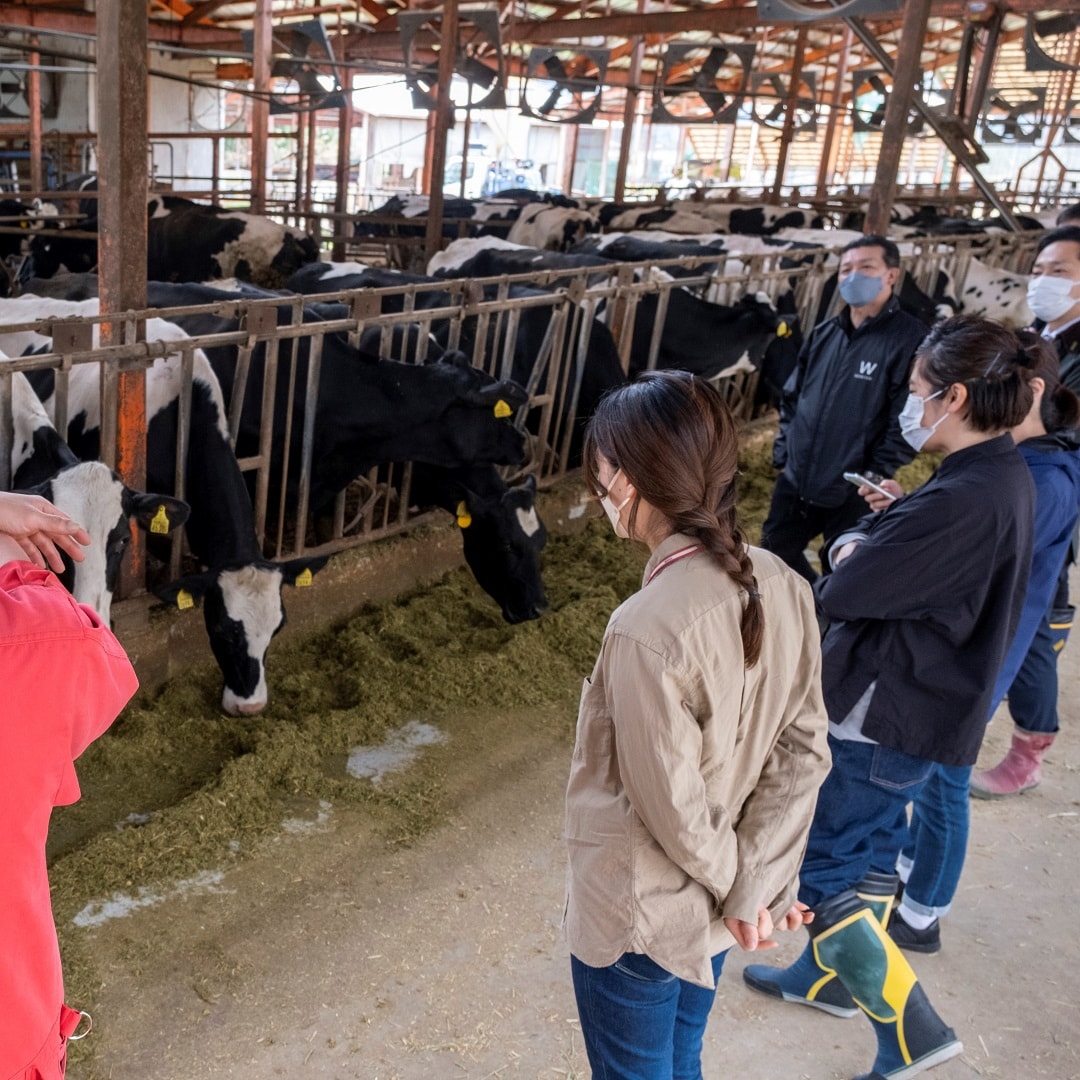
column 328, row 954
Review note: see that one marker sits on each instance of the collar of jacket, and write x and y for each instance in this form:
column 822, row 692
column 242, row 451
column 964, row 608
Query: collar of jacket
column 667, row 547
column 1066, row 343
column 892, row 305
column 959, row 459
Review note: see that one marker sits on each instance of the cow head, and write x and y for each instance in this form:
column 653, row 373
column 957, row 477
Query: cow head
column 503, row 537
column 92, row 494
column 243, row 610
column 50, row 250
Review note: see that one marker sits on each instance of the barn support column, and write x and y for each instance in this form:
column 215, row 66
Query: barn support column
column 571, row 160
column 970, row 104
column 33, row 99
column 916, row 16
column 444, row 116
column 309, row 179
column 122, row 175
column 789, row 114
column 344, row 170
column 260, row 106
column 950, row 131
column 827, row 167
column 629, row 112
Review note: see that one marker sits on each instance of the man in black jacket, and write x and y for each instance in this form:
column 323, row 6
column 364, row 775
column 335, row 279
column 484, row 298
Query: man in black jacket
column 840, row 406
column 1054, row 298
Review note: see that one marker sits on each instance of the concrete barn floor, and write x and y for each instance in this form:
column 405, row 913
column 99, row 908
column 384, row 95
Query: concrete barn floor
column 330, row 956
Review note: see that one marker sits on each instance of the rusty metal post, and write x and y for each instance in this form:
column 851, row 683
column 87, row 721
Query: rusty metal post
column 916, row 16
column 33, row 99
column 828, row 150
column 260, row 106
column 629, row 112
column 344, row 170
column 789, row 114
column 444, row 115
column 312, row 150
column 122, row 176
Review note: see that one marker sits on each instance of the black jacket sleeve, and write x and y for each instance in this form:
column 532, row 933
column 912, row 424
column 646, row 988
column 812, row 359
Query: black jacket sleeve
column 789, row 402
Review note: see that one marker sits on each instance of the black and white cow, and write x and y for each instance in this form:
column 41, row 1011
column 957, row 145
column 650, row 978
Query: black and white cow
column 552, row 228
column 501, row 532
column 996, row 294
column 187, row 241
column 89, row 492
column 592, row 373
column 240, row 590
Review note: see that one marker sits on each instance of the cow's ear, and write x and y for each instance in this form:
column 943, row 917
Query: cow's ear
column 299, row 572
column 155, row 513
column 503, row 397
column 187, row 591
column 454, row 358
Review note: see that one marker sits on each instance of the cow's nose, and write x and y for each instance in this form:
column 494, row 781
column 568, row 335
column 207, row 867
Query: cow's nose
column 250, row 708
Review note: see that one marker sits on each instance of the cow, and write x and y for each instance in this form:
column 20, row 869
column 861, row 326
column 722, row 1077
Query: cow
column 501, row 532
column 240, row 590
column 17, row 222
column 551, row 228
column 187, row 241
column 89, row 492
column 696, row 335
column 478, row 213
column 446, row 416
column 995, row 294
column 594, row 371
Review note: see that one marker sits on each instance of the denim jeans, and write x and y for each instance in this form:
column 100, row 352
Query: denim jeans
column 860, row 823
column 639, row 1021
column 934, row 856
column 1034, row 692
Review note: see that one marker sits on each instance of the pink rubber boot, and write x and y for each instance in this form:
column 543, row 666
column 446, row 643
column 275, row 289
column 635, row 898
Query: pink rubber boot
column 1019, row 769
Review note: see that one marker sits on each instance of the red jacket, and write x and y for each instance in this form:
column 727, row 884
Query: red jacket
column 64, row 679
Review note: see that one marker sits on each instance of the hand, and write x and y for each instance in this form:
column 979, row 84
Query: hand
column 749, row 937
column 39, row 529
column 798, row 915
column 875, row 500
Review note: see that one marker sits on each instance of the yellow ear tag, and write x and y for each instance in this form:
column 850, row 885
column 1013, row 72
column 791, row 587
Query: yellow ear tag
column 160, row 521
column 184, row 600
column 783, row 330
column 502, row 410
column 464, row 518
column 303, row 579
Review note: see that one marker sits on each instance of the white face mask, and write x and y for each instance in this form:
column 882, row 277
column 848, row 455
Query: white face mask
column 911, row 418
column 1050, row 297
column 613, row 512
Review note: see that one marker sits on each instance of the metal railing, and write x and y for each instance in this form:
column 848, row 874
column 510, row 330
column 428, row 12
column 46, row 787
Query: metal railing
column 541, row 338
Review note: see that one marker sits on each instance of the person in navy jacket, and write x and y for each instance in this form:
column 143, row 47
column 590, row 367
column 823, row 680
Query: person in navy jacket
column 923, row 603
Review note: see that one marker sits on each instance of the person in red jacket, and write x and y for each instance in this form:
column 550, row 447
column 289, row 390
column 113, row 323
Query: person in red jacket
column 65, row 680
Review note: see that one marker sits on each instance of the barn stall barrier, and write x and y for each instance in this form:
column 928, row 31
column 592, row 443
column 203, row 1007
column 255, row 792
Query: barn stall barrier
column 377, row 506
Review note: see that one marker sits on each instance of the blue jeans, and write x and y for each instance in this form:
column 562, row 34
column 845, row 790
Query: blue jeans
column 860, row 823
column 639, row 1021
column 934, row 856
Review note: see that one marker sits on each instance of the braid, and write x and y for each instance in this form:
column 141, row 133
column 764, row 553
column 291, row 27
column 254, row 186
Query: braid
column 721, row 536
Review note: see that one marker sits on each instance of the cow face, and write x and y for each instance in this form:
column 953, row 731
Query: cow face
column 92, row 494
column 503, row 538
column 243, row 610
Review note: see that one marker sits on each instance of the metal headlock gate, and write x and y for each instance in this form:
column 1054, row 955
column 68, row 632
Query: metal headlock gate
column 478, row 314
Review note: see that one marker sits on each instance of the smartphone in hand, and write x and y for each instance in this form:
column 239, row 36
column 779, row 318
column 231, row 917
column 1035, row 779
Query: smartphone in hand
column 859, row 480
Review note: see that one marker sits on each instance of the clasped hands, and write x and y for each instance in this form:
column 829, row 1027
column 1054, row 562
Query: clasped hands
column 751, row 938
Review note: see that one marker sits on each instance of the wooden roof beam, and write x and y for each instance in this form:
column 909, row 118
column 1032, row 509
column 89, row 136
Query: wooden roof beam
column 200, row 11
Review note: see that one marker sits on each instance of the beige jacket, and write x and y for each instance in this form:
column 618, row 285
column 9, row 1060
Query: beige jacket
column 694, row 780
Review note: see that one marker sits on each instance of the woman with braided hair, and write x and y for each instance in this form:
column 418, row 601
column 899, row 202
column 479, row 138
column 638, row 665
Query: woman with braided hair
column 923, row 602
column 700, row 741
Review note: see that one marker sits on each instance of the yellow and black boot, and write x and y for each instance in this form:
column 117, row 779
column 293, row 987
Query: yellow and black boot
column 805, row 982
column 850, row 942
column 879, row 892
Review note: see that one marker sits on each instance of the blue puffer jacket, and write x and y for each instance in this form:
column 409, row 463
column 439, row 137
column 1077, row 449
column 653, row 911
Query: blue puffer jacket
column 1054, row 461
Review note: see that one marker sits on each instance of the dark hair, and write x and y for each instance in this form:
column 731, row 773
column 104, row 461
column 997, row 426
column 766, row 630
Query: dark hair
column 1060, row 407
column 672, row 435
column 1067, row 234
column 988, row 360
column 1070, row 213
column 890, row 251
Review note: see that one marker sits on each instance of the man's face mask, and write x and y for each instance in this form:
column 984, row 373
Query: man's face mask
column 1050, row 297
column 911, row 418
column 613, row 511
column 860, row 289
